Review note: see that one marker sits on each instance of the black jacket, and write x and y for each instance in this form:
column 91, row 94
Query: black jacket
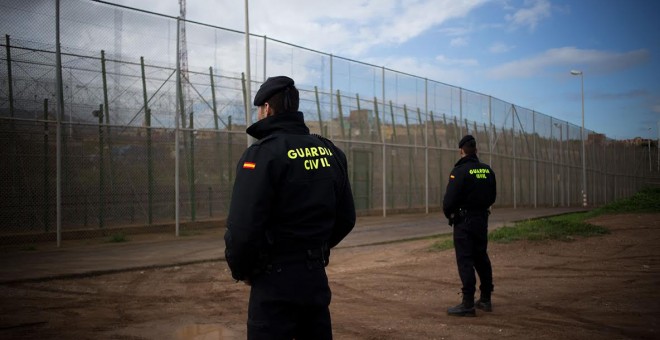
column 472, row 186
column 291, row 193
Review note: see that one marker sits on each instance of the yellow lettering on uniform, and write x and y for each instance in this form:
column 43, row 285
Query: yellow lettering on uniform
column 321, row 151
column 301, row 152
column 329, row 152
column 324, row 162
column 315, row 152
column 307, row 153
column 291, row 153
column 479, row 171
column 311, row 164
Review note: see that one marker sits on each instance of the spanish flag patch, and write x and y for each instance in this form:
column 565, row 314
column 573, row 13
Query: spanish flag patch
column 249, row 165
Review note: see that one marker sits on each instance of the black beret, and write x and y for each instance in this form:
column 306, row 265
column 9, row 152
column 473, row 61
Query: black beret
column 464, row 140
column 271, row 87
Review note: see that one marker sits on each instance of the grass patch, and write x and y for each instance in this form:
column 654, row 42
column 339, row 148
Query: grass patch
column 118, row 238
column 645, row 201
column 567, row 227
column 563, row 228
column 444, row 243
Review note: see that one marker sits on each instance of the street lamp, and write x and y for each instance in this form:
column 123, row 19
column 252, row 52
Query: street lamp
column 584, row 163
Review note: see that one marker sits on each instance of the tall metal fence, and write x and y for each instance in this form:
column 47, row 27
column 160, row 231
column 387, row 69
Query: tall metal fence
column 114, row 119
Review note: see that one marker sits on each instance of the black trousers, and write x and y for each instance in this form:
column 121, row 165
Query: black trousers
column 471, row 245
column 290, row 302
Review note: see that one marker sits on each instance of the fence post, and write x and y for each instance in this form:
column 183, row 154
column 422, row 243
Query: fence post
column 99, row 114
column 384, row 147
column 426, row 141
column 229, row 148
column 410, row 157
column 106, row 115
column 360, row 127
column 332, row 106
column 513, row 145
column 392, row 155
column 147, row 123
column 60, row 115
column 46, row 169
column 9, row 78
column 536, row 174
column 341, row 115
column 460, row 102
column 376, row 113
column 191, row 169
column 552, row 161
column 179, row 113
column 318, row 109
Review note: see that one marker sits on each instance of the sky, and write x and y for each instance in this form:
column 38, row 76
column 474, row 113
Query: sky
column 519, row 51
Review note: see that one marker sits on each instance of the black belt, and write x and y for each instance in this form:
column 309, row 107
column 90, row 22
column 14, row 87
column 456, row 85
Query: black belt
column 301, row 256
column 473, row 212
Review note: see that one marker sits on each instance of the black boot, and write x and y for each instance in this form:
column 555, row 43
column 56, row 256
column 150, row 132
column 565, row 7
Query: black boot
column 465, row 308
column 484, row 302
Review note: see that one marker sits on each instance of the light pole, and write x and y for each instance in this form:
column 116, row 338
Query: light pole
column 584, row 162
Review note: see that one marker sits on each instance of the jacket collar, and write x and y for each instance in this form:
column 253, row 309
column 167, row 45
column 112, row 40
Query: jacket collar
column 291, row 122
column 468, row 159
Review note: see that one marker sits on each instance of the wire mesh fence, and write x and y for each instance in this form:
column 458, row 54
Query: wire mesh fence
column 152, row 121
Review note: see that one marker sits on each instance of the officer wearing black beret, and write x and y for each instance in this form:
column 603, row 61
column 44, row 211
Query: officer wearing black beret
column 471, row 191
column 291, row 203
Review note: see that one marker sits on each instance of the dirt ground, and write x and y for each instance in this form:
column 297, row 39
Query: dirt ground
column 603, row 287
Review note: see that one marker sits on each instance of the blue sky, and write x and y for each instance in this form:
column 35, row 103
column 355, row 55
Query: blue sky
column 520, row 51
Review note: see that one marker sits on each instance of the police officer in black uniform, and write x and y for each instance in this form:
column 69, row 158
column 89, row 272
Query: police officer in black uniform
column 470, row 193
column 291, row 203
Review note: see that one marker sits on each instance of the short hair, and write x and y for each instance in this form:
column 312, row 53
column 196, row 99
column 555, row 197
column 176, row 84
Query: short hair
column 470, row 147
column 285, row 101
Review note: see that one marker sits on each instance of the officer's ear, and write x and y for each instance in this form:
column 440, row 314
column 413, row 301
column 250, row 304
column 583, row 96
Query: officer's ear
column 268, row 109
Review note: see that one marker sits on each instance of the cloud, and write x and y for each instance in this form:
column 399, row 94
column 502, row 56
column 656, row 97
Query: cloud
column 570, row 57
column 345, row 27
column 457, row 42
column 498, row 48
column 455, row 31
column 456, row 62
column 446, row 72
column 411, row 18
column 530, row 16
column 621, row 95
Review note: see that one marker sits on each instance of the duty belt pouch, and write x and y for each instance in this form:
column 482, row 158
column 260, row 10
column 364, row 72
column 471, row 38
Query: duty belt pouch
column 464, row 215
column 315, row 258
